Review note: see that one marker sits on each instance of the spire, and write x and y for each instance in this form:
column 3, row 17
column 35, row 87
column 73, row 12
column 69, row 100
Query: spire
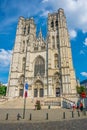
column 40, row 33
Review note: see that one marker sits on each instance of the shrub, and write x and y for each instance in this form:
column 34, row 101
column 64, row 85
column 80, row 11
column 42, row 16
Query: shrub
column 38, row 105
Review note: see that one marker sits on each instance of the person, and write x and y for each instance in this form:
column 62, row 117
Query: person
column 71, row 104
column 81, row 106
column 77, row 105
column 74, row 106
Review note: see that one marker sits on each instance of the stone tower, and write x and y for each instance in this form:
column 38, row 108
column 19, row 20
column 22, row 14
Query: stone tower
column 45, row 64
column 60, row 51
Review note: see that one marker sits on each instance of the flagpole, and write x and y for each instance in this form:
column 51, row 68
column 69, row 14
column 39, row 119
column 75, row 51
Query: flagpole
column 24, row 85
column 24, row 107
column 47, row 67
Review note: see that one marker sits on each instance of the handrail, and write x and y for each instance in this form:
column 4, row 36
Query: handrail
column 68, row 100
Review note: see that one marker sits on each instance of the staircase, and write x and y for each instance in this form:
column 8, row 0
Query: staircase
column 46, row 102
column 53, row 101
column 17, row 103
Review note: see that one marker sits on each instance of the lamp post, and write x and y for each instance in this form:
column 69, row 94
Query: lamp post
column 47, row 67
column 25, row 96
column 24, row 107
column 25, row 85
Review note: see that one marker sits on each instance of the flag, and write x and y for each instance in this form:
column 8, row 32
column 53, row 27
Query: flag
column 26, row 86
column 25, row 90
column 25, row 95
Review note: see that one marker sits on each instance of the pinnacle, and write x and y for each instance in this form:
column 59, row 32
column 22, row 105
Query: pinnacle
column 40, row 33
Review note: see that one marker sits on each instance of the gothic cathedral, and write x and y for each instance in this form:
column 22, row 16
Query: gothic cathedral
column 46, row 65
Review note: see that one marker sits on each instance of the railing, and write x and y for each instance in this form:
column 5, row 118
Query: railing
column 66, row 103
column 52, row 103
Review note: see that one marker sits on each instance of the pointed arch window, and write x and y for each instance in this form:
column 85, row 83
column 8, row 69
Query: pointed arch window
column 23, row 63
column 56, row 23
column 28, row 29
column 24, row 30
column 52, row 24
column 39, row 68
column 23, row 46
column 53, row 42
column 56, row 60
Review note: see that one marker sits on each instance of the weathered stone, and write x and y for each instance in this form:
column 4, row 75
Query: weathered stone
column 45, row 64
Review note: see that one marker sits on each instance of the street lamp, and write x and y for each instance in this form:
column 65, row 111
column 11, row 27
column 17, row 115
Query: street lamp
column 25, row 96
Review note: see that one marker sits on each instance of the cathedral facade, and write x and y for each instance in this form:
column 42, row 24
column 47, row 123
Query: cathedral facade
column 46, row 65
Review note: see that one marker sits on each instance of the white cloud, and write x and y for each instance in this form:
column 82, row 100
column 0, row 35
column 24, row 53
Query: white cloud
column 85, row 42
column 84, row 74
column 5, row 56
column 44, row 1
column 72, row 33
column 75, row 11
column 6, row 84
column 45, row 13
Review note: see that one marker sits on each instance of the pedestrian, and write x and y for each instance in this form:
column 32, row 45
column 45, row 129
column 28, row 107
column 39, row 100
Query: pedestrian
column 74, row 106
column 78, row 106
column 71, row 105
column 81, row 106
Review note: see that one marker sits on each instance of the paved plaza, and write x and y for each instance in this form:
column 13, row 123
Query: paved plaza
column 40, row 115
column 44, row 119
column 80, row 124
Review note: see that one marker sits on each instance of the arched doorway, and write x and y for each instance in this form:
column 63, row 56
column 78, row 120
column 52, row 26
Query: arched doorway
column 21, row 85
column 57, row 92
column 57, row 84
column 38, row 89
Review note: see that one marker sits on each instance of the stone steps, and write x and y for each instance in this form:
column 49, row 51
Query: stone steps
column 17, row 103
column 30, row 103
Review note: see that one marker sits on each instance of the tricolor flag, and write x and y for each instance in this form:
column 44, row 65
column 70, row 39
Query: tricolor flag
column 25, row 90
column 25, row 94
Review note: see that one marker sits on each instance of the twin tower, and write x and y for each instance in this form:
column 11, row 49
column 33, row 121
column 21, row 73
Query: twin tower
column 46, row 65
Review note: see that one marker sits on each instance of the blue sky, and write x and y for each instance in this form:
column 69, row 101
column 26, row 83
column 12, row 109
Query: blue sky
column 76, row 15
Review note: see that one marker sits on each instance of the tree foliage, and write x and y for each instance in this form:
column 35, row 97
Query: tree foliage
column 81, row 89
column 3, row 89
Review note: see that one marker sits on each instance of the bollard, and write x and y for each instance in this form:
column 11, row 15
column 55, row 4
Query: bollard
column 30, row 116
column 6, row 117
column 72, row 114
column 63, row 115
column 18, row 116
column 78, row 113
column 46, row 116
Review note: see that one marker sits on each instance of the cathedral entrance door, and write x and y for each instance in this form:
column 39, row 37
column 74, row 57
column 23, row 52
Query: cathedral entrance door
column 21, row 92
column 38, row 90
column 35, row 92
column 57, row 92
column 41, row 92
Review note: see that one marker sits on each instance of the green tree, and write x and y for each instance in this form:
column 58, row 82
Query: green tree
column 3, row 89
column 80, row 89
